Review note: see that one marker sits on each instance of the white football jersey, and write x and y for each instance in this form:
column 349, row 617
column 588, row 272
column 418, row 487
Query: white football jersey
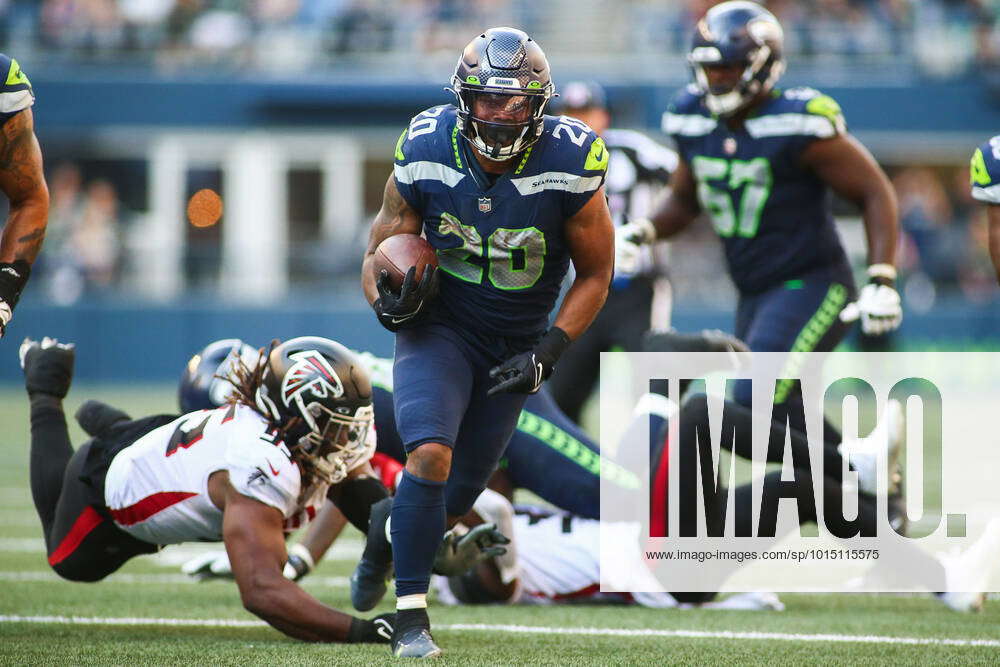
column 157, row 488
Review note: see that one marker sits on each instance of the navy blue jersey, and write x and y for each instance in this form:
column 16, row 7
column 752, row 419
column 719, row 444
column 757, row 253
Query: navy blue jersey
column 15, row 92
column 501, row 247
column 985, row 172
column 772, row 214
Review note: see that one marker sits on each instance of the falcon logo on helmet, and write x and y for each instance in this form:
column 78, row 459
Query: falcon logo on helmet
column 311, row 372
column 321, row 389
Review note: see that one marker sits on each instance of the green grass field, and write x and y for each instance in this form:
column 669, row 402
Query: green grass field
column 859, row 628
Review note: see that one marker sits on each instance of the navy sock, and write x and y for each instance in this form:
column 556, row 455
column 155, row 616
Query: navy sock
column 417, row 524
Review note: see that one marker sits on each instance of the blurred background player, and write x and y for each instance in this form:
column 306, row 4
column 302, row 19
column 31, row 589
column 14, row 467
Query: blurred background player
column 22, row 180
column 984, row 173
column 244, row 474
column 640, row 296
column 762, row 163
column 507, row 196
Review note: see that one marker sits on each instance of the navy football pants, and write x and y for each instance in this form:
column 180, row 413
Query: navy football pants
column 440, row 382
column 548, row 454
column 801, row 315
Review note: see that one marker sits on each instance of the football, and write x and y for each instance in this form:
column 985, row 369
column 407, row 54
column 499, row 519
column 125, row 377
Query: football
column 398, row 253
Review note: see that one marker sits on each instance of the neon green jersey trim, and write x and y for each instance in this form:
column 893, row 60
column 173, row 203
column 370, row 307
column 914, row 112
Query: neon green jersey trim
column 15, row 76
column 399, row 146
column 454, row 145
column 825, row 106
column 597, row 158
column 977, row 169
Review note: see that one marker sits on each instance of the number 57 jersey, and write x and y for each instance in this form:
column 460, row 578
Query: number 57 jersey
column 771, row 212
column 501, row 245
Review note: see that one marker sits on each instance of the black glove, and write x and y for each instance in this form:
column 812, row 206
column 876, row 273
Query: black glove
column 13, row 277
column 398, row 311
column 524, row 373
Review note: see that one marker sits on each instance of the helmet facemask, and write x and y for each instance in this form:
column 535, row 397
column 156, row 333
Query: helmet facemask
column 334, row 442
column 741, row 35
column 500, row 122
column 760, row 73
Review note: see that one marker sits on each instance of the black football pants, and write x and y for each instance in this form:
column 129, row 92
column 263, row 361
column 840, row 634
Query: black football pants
column 82, row 543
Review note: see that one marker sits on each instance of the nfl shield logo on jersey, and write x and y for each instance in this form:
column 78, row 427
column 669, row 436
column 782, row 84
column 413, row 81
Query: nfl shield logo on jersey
column 485, row 204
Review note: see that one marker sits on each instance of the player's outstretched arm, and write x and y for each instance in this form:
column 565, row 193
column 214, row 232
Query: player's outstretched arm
column 591, row 239
column 395, row 217
column 254, row 540
column 844, row 164
column 21, row 179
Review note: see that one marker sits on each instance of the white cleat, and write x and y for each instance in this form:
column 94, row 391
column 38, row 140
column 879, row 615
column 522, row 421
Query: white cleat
column 754, row 601
column 968, row 573
column 863, row 453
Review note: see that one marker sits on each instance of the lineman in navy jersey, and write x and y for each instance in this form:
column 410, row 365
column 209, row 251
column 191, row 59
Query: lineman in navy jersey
column 761, row 164
column 508, row 197
column 984, row 173
column 640, row 296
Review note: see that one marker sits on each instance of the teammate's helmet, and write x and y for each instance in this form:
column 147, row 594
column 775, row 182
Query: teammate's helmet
column 502, row 84
column 743, row 34
column 579, row 95
column 206, row 383
column 322, row 394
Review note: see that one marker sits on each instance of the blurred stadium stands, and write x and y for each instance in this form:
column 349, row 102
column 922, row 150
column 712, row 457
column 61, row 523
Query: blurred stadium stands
column 289, row 108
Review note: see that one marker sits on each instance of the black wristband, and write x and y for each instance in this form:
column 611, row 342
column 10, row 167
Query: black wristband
column 368, row 632
column 13, row 278
column 552, row 345
column 880, row 280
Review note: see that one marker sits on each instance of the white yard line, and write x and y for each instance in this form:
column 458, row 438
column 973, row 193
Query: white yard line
column 524, row 629
column 329, row 582
column 347, row 550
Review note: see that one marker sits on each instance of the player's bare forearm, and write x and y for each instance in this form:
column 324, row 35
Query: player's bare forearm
column 591, row 238
column 993, row 215
column 395, row 217
column 847, row 167
column 680, row 207
column 254, row 540
column 582, row 303
column 22, row 180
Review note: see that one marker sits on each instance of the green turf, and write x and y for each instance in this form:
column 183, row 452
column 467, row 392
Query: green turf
column 34, row 643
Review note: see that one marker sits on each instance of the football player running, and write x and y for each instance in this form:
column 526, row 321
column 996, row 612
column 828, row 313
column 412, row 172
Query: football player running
column 761, row 163
column 984, row 172
column 22, row 180
column 244, row 474
column 507, row 196
column 640, row 295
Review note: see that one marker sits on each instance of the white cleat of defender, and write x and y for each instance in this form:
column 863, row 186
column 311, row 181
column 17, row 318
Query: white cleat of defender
column 968, row 573
column 863, row 453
